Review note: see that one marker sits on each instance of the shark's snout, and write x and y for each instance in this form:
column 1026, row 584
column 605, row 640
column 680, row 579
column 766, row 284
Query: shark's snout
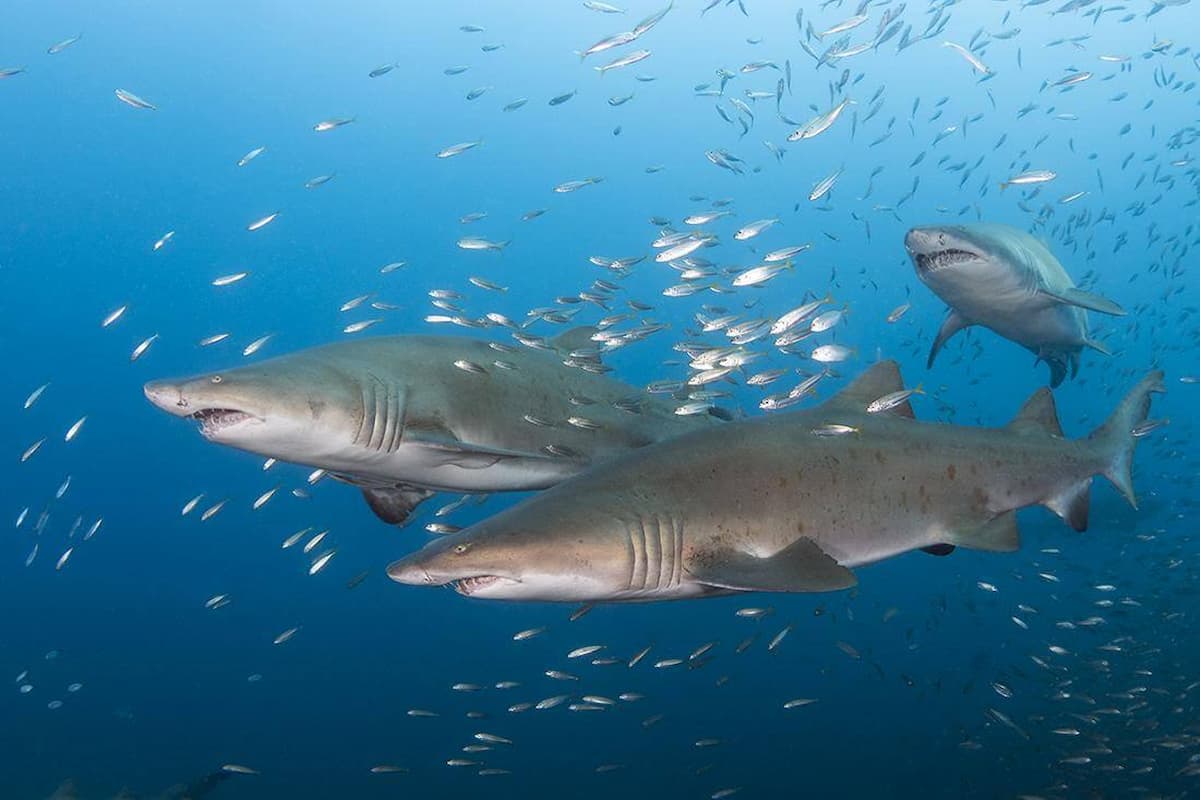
column 167, row 396
column 409, row 571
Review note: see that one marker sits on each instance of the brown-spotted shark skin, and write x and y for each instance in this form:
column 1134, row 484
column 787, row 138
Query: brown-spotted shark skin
column 785, row 503
column 1006, row 280
column 406, row 416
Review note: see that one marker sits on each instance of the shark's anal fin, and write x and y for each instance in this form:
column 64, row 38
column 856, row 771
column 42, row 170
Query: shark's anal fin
column 1082, row 299
column 1072, row 504
column 396, row 504
column 953, row 323
column 999, row 535
column 1038, row 415
column 800, row 567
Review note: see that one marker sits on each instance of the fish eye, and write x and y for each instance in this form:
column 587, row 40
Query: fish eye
column 216, row 378
column 460, row 548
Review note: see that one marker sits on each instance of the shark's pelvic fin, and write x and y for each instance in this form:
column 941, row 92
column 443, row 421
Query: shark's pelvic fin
column 800, row 567
column 396, row 504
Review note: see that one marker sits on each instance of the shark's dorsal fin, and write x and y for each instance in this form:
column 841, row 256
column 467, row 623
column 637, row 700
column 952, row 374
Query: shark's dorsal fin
column 879, row 379
column 574, row 339
column 802, row 566
column 953, row 323
column 1038, row 415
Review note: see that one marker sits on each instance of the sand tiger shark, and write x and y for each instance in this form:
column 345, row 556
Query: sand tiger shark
column 1004, row 279
column 791, row 502
column 406, row 416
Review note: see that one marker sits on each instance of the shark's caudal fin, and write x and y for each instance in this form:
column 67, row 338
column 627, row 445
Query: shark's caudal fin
column 1115, row 439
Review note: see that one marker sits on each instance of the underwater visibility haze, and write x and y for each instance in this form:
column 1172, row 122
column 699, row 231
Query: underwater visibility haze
column 688, row 400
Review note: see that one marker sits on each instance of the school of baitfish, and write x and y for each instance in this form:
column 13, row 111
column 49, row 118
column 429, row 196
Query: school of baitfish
column 723, row 475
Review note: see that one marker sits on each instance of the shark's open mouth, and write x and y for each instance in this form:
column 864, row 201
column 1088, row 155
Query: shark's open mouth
column 468, row 586
column 940, row 259
column 214, row 420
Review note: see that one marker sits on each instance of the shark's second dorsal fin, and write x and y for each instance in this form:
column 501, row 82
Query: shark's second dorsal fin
column 1038, row 415
column 880, row 379
column 574, row 339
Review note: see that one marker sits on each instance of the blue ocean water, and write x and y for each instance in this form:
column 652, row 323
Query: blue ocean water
column 903, row 668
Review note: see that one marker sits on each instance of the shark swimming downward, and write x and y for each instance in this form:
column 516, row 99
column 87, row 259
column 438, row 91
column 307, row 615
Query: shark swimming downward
column 1004, row 279
column 403, row 417
column 786, row 503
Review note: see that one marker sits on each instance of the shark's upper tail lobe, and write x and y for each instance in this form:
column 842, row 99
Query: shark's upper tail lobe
column 1115, row 438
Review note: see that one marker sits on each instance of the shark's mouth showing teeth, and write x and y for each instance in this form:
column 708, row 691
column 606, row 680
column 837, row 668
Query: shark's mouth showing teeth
column 469, row 586
column 214, row 420
column 941, row 259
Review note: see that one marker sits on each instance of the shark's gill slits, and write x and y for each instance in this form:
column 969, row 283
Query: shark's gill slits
column 655, row 553
column 366, row 425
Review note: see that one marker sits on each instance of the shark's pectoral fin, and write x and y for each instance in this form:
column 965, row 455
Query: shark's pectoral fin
column 441, row 447
column 1099, row 347
column 953, row 323
column 1082, row 299
column 998, row 535
column 395, row 505
column 1071, row 504
column 1038, row 415
column 800, row 567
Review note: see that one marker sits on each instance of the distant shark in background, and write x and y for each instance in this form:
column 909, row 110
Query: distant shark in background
column 785, row 503
column 404, row 417
column 1004, row 279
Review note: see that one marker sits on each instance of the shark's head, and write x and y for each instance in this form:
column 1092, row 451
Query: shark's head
column 521, row 554
column 945, row 249
column 300, row 410
column 965, row 263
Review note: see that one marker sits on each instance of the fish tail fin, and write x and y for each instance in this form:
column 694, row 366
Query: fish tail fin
column 1115, row 439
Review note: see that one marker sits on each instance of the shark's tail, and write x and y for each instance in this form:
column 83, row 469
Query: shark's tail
column 1115, row 439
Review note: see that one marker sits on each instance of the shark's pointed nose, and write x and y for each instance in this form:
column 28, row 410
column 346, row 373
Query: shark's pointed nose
column 408, row 571
column 917, row 241
column 167, row 396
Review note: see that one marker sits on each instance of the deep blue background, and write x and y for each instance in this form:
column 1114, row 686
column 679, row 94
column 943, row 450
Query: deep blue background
column 88, row 184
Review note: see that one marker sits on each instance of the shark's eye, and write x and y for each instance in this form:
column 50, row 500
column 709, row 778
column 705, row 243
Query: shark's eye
column 460, row 548
column 216, row 378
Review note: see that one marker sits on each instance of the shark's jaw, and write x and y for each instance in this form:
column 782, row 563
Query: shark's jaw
column 938, row 260
column 481, row 584
column 216, row 421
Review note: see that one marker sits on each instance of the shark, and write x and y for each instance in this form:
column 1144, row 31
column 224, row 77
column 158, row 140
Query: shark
column 793, row 502
column 1004, row 279
column 403, row 417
